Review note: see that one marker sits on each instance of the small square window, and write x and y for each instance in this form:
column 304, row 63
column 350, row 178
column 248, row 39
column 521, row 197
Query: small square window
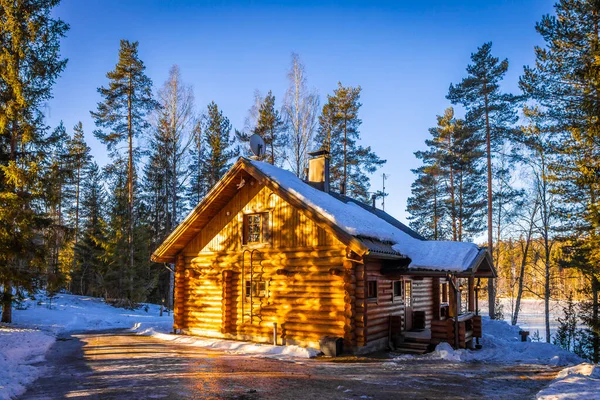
column 371, row 289
column 397, row 288
column 256, row 288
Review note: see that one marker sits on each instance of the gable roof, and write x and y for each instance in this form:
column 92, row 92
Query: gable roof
column 365, row 230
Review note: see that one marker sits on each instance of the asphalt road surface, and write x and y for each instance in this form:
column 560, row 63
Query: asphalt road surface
column 120, row 365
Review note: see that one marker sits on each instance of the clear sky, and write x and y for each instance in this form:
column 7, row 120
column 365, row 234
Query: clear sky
column 404, row 54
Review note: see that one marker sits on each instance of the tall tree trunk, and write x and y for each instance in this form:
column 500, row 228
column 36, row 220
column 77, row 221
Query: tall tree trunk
column 488, row 145
column 7, row 284
column 595, row 323
column 345, row 155
column 7, row 302
column 452, row 195
column 130, row 186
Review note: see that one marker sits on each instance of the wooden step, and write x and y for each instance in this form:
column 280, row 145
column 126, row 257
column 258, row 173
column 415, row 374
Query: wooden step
column 409, row 351
column 417, row 340
column 414, row 345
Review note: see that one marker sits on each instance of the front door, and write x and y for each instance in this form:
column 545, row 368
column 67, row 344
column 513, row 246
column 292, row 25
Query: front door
column 408, row 305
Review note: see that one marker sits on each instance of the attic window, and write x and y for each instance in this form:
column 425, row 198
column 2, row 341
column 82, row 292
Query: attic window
column 255, row 228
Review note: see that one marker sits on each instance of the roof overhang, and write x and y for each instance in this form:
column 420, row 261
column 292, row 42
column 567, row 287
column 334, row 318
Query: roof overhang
column 218, row 197
column 481, row 267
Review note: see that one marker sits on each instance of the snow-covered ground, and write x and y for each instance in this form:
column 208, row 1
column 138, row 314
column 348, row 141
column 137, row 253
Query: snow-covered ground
column 502, row 344
column 35, row 329
column 579, row 382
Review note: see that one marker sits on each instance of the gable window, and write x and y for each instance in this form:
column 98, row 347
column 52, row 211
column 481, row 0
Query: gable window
column 397, row 288
column 372, row 290
column 255, row 228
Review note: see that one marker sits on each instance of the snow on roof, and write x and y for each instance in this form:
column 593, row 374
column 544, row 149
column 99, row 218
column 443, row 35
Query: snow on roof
column 356, row 221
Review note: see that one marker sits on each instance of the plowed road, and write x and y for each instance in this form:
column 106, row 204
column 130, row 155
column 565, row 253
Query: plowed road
column 120, row 365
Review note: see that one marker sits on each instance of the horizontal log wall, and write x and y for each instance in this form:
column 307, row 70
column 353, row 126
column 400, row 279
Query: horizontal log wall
column 378, row 311
column 303, row 297
column 303, row 267
column 423, row 298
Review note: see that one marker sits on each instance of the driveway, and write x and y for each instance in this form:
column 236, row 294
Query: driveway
column 121, row 365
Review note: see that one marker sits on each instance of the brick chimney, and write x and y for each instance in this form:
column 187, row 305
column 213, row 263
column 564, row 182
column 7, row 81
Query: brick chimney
column 318, row 170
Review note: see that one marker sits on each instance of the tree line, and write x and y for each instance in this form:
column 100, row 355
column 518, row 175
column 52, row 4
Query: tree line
column 525, row 168
column 67, row 222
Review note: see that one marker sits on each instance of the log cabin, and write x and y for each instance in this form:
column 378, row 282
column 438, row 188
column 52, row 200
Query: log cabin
column 268, row 257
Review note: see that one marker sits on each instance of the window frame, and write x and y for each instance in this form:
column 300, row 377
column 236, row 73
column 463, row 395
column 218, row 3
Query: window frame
column 252, row 289
column 265, row 236
column 395, row 296
column 372, row 292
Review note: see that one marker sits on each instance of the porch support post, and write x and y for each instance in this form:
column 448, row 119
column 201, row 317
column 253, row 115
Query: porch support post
column 471, row 294
column 436, row 298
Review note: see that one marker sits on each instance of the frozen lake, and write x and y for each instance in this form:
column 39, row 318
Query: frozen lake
column 531, row 316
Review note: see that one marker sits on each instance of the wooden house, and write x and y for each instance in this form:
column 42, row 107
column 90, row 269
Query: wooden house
column 267, row 257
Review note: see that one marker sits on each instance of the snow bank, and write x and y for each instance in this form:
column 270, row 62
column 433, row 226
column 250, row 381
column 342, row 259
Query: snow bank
column 75, row 313
column 356, row 221
column 18, row 348
column 579, row 382
column 35, row 329
column 502, row 344
column 231, row 346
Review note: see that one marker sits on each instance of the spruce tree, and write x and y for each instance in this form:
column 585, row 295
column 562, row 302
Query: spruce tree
column 57, row 179
column 565, row 81
column 492, row 113
column 121, row 117
column 30, row 62
column 270, row 127
column 80, row 157
column 90, row 249
column 350, row 163
column 214, row 152
column 425, row 205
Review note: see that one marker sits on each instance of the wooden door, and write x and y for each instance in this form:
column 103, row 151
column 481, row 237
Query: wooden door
column 408, row 305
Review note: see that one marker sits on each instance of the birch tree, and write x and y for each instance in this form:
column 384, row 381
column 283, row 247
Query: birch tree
column 300, row 110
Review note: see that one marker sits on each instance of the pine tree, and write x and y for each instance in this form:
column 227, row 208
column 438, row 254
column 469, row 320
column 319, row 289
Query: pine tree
column 447, row 196
column 300, row 109
column 492, row 113
column 271, row 128
column 565, row 81
column 30, row 62
column 126, row 102
column 350, row 163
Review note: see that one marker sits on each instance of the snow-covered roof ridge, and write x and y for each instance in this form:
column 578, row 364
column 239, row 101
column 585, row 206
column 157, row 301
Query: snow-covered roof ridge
column 357, row 221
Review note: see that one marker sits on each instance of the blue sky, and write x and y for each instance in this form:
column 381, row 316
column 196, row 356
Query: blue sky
column 404, row 54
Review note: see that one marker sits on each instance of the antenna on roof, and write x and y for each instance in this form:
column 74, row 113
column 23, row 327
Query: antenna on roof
column 257, row 145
